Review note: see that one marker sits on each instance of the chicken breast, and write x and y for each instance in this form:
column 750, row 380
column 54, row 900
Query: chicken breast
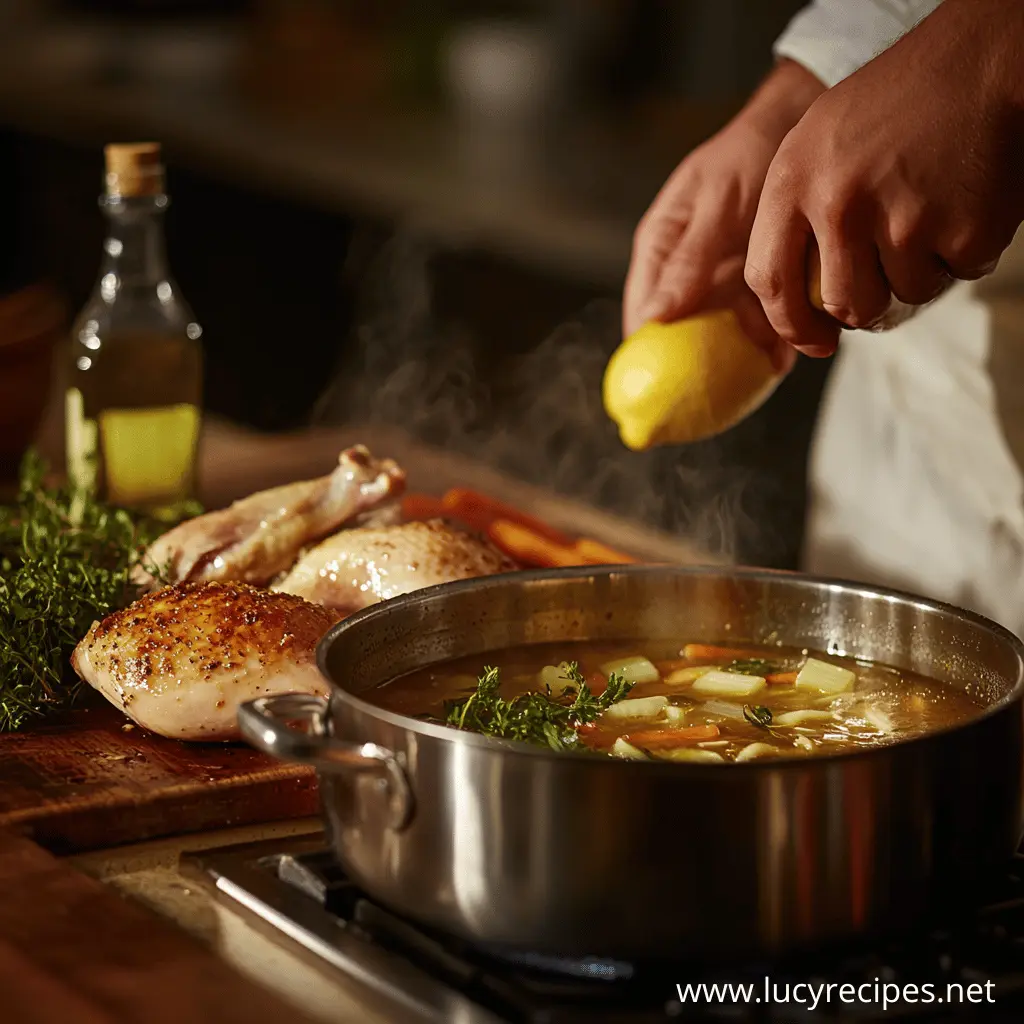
column 181, row 660
column 359, row 567
column 259, row 537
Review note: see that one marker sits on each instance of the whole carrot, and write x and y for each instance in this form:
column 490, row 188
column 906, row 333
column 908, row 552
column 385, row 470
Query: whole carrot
column 479, row 511
column 528, row 547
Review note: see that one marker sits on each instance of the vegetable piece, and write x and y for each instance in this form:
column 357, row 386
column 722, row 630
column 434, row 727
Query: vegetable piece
column 753, row 750
column 687, row 675
column 805, row 742
column 689, row 754
column 623, row 749
column 824, row 677
column 479, row 511
column 529, row 548
column 674, row 713
column 720, row 707
column 781, row 678
column 729, row 684
column 600, row 554
column 879, row 719
column 637, row 707
column 667, row 738
column 533, row 717
column 423, row 506
column 708, row 652
column 557, row 679
column 791, row 718
column 636, row 669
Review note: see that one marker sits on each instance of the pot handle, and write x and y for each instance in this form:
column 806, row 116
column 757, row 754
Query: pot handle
column 264, row 723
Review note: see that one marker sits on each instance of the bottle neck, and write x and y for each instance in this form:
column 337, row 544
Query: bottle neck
column 134, row 253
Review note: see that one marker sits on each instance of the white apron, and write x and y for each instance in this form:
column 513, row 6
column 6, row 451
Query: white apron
column 915, row 472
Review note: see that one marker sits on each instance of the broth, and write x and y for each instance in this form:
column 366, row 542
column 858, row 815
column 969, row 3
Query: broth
column 644, row 700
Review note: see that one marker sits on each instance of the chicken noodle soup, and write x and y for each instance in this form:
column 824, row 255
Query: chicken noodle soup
column 692, row 703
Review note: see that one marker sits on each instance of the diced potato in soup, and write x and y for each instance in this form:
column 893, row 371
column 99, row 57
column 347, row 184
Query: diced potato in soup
column 688, row 703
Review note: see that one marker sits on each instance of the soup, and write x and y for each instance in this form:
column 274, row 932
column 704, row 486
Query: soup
column 700, row 702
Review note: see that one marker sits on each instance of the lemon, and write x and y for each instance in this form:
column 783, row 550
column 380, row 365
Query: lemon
column 681, row 382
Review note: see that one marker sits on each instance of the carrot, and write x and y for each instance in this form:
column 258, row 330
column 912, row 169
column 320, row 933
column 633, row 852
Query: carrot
column 600, row 554
column 479, row 511
column 528, row 547
column 422, row 506
column 666, row 739
column 781, row 678
column 702, row 652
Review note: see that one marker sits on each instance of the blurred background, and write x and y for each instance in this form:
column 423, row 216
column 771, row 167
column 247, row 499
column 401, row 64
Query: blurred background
column 410, row 213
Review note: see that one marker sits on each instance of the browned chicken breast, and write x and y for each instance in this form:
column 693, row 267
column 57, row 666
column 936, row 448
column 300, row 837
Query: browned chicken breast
column 259, row 537
column 360, row 567
column 181, row 660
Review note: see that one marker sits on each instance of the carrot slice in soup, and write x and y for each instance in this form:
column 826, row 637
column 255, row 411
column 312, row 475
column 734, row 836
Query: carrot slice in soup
column 666, row 739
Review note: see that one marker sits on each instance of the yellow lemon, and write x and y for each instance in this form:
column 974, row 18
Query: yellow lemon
column 681, row 382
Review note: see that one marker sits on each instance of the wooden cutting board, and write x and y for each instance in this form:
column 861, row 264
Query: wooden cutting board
column 73, row 952
column 82, row 782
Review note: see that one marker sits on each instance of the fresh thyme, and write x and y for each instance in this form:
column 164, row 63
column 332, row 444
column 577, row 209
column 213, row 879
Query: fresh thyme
column 534, row 717
column 752, row 667
column 65, row 562
column 759, row 715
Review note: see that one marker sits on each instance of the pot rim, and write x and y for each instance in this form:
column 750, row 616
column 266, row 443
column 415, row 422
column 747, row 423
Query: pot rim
column 448, row 734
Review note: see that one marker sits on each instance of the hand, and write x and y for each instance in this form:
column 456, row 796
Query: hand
column 690, row 248
column 908, row 174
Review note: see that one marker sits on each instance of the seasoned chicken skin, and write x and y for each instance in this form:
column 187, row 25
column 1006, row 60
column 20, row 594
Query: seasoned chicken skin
column 259, row 537
column 359, row 567
column 181, row 660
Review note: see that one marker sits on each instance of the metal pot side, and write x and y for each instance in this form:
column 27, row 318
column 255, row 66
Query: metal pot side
column 515, row 846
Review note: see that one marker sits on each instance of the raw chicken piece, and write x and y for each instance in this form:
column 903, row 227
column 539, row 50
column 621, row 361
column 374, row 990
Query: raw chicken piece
column 181, row 660
column 360, row 567
column 259, row 537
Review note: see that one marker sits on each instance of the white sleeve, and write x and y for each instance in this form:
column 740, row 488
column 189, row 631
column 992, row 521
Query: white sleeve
column 835, row 38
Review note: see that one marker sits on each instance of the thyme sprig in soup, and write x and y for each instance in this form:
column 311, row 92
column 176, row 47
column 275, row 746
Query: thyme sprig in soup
column 697, row 702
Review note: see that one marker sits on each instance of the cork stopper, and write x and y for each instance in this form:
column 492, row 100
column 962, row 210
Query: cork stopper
column 134, row 169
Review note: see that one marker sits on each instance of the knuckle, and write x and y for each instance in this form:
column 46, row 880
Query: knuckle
column 762, row 280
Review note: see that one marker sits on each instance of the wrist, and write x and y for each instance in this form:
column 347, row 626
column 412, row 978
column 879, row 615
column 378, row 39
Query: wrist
column 782, row 99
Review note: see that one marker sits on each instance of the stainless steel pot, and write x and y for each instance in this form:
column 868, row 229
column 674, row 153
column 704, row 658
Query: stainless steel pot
column 515, row 846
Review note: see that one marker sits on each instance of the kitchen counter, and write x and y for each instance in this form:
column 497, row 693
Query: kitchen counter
column 151, row 874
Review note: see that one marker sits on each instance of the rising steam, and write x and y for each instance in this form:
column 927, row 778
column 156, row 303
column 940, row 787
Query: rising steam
column 409, row 370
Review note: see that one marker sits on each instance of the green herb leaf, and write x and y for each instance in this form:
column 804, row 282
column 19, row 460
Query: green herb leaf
column 65, row 562
column 758, row 715
column 752, row 667
column 533, row 717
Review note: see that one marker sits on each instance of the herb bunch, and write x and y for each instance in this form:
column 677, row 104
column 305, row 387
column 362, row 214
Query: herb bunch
column 536, row 717
column 65, row 561
column 752, row 667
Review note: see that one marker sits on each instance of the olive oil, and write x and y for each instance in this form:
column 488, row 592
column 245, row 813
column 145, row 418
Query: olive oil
column 134, row 398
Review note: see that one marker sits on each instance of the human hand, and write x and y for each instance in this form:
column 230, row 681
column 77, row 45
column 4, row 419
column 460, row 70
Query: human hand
column 907, row 175
column 690, row 248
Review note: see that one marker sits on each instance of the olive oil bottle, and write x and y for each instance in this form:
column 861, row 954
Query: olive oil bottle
column 132, row 406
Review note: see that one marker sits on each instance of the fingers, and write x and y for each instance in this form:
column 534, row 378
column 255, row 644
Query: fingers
column 914, row 273
column 656, row 237
column 752, row 319
column 854, row 290
column 776, row 271
column 687, row 274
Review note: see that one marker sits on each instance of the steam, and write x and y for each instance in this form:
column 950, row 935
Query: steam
column 540, row 419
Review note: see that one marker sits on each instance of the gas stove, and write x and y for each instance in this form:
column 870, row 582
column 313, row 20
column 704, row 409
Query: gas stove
column 970, row 970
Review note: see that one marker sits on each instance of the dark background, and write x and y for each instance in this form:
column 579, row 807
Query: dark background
column 328, row 228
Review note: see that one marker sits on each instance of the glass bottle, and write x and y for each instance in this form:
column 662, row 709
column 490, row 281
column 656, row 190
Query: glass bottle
column 134, row 395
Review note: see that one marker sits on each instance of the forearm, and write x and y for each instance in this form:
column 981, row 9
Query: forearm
column 782, row 99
